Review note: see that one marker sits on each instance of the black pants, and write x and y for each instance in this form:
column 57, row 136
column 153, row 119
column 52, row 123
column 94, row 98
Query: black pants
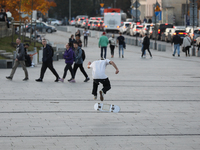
column 112, row 47
column 106, row 85
column 27, row 60
column 68, row 67
column 85, row 40
column 143, row 50
column 80, row 66
column 187, row 50
column 44, row 68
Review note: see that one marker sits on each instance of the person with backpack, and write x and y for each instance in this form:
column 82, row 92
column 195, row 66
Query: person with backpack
column 187, row 44
column 120, row 40
column 79, row 62
column 69, row 60
column 47, row 61
column 146, row 43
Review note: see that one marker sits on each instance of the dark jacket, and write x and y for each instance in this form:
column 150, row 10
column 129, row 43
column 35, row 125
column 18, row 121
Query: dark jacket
column 20, row 53
column 69, row 56
column 72, row 41
column 146, row 42
column 47, row 54
column 176, row 39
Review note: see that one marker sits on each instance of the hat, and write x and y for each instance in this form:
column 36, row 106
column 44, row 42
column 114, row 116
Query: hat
column 104, row 33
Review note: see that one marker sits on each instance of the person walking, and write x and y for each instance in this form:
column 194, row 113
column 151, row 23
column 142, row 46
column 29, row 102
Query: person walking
column 72, row 40
column 78, row 34
column 86, row 34
column 47, row 62
column 79, row 62
column 146, row 43
column 120, row 41
column 69, row 59
column 176, row 40
column 20, row 59
column 99, row 76
column 187, row 44
column 141, row 41
column 112, row 42
column 103, row 43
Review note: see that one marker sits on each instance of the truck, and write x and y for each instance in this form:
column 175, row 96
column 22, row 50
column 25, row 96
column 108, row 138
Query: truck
column 112, row 20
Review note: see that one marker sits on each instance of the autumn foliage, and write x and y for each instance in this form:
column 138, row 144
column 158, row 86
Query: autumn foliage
column 26, row 6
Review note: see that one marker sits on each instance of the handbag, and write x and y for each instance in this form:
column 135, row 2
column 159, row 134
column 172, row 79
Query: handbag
column 183, row 49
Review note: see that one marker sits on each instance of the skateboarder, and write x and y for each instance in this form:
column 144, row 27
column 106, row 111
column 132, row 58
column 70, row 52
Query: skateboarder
column 99, row 76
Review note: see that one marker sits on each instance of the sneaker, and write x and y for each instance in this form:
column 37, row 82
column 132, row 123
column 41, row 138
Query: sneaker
column 25, row 79
column 38, row 80
column 9, row 78
column 173, row 55
column 122, row 56
column 61, row 80
column 72, row 81
column 57, row 79
column 95, row 97
column 87, row 79
column 69, row 79
column 101, row 95
column 178, row 55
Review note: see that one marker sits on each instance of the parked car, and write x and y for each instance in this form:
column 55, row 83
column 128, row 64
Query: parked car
column 41, row 26
column 136, row 30
column 94, row 25
column 72, row 23
column 145, row 29
column 194, row 33
column 131, row 28
column 165, row 35
column 159, row 29
column 101, row 26
column 128, row 30
column 79, row 20
column 124, row 26
column 54, row 22
column 84, row 24
column 151, row 31
column 90, row 23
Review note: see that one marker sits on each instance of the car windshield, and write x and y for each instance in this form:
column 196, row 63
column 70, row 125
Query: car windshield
column 166, row 26
column 139, row 27
column 95, row 22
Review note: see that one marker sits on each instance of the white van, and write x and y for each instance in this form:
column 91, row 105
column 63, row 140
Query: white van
column 112, row 22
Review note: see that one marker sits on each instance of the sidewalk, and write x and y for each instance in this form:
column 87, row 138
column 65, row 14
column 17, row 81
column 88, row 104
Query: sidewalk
column 159, row 100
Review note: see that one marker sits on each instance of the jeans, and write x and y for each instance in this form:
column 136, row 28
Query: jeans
column 105, row 50
column 106, row 85
column 142, row 49
column 177, row 46
column 121, row 48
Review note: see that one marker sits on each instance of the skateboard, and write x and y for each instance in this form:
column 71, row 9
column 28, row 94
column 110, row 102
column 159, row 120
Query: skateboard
column 106, row 107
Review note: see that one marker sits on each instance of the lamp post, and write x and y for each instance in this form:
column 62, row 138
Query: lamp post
column 186, row 12
column 155, row 46
column 136, row 22
column 70, row 5
column 31, row 18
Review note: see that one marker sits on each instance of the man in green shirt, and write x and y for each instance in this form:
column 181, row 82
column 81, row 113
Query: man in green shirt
column 103, row 43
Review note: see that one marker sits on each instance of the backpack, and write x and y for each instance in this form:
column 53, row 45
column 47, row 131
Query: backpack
column 83, row 54
column 52, row 50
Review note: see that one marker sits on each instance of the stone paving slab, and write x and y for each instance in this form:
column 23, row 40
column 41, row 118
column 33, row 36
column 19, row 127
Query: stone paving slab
column 159, row 100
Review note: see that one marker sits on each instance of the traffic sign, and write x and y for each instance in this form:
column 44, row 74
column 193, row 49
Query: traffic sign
column 101, row 10
column 157, row 4
column 157, row 8
column 101, row 4
column 159, row 15
column 133, row 12
column 136, row 4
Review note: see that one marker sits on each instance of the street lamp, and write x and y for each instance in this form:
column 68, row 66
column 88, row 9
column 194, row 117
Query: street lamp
column 69, row 10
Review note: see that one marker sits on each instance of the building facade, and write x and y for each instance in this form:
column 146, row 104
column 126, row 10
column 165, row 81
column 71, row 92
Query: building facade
column 173, row 11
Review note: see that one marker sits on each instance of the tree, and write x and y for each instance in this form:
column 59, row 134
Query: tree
column 25, row 6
